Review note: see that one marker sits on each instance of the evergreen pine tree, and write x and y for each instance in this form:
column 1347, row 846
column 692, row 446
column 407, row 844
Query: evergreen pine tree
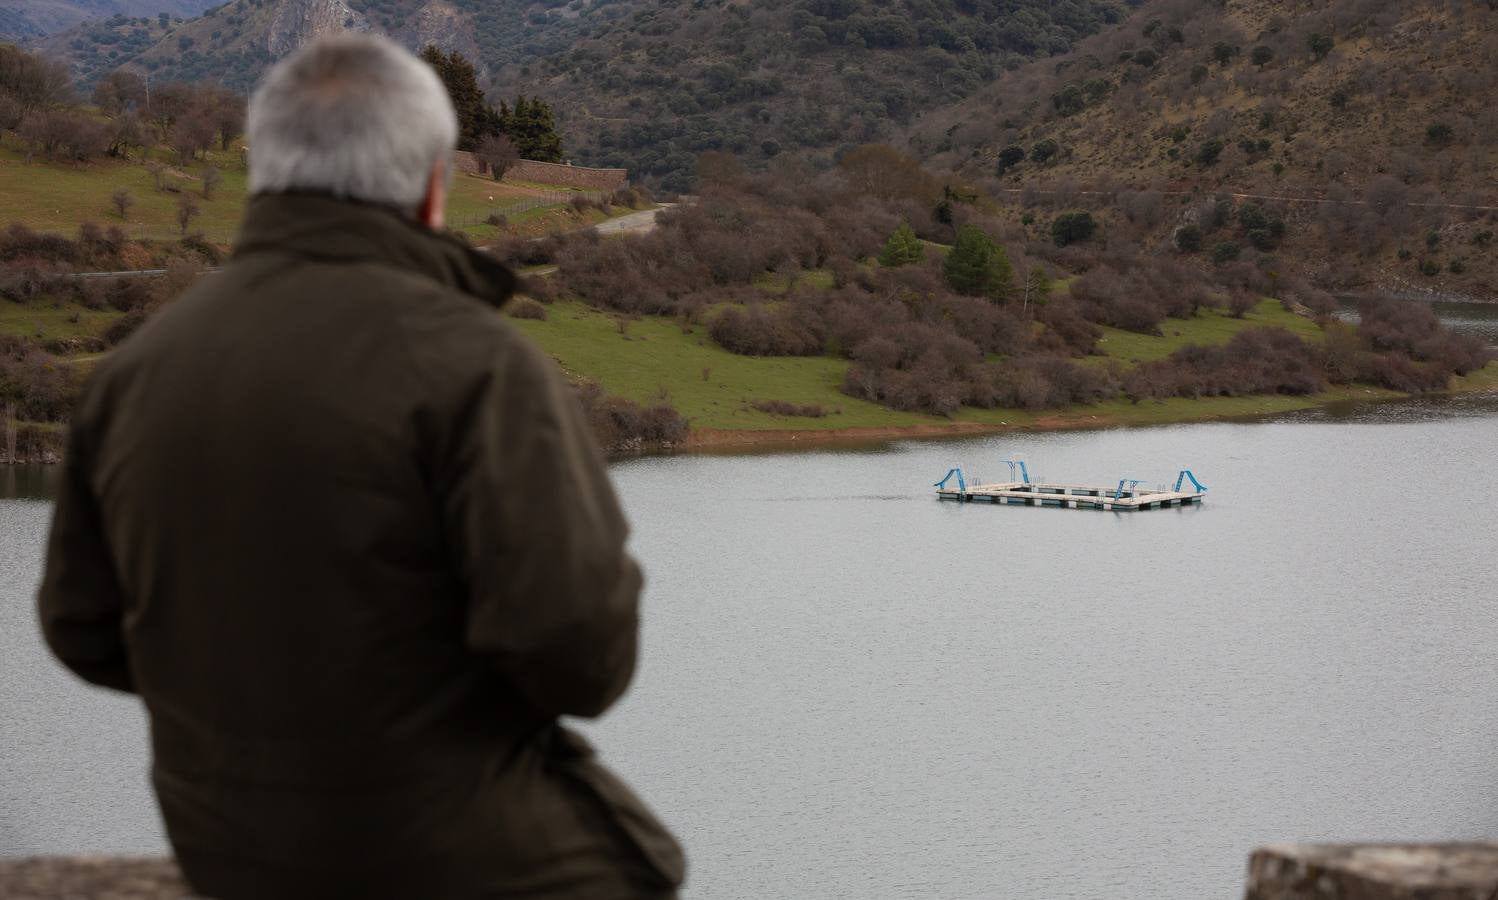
column 461, row 81
column 902, row 248
column 977, row 266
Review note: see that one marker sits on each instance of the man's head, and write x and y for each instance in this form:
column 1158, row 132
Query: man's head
column 357, row 117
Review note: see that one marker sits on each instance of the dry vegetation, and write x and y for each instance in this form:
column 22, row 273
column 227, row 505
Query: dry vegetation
column 1376, row 110
column 915, row 339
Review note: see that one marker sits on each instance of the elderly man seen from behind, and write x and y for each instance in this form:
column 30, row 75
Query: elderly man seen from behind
column 346, row 534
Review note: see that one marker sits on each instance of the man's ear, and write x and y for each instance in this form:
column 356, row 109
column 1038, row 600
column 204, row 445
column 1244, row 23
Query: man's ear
column 432, row 211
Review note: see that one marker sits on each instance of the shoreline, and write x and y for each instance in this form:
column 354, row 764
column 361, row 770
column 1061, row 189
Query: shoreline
column 1142, row 415
column 709, row 440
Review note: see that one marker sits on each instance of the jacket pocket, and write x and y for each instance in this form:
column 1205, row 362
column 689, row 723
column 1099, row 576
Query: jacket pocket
column 621, row 812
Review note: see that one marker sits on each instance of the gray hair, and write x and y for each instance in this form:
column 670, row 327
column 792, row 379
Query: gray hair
column 353, row 115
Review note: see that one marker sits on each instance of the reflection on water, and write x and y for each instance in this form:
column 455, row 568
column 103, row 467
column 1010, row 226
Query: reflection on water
column 1405, row 410
column 27, row 482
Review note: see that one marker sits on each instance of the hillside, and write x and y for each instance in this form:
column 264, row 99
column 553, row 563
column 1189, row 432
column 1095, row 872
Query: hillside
column 29, row 19
column 1359, row 136
column 650, row 84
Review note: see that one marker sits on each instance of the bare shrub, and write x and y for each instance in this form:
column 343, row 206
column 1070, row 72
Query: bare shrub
column 784, row 408
column 526, row 308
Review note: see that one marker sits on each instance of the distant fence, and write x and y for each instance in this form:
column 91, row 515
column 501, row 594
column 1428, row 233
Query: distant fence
column 526, row 204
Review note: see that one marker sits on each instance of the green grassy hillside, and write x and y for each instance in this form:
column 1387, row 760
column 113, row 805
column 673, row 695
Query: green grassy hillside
column 60, row 196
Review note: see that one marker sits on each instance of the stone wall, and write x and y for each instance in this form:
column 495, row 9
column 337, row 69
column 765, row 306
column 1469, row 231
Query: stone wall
column 1466, row 871
column 551, row 173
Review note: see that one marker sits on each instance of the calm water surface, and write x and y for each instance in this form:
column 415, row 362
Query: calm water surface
column 849, row 689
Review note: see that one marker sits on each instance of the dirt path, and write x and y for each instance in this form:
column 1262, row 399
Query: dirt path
column 635, row 223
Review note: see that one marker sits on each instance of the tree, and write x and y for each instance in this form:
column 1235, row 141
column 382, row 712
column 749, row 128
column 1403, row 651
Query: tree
column 35, row 82
column 1319, row 44
column 158, row 173
column 531, row 125
column 1188, row 238
column 226, row 110
column 1044, row 150
column 124, row 132
column 1037, row 286
column 462, row 84
column 1069, row 100
column 498, row 154
column 170, row 102
column 1224, row 53
column 120, row 92
column 211, row 180
column 1261, row 55
column 1209, row 151
column 1438, row 134
column 718, row 169
column 902, row 248
column 187, row 210
column 1072, row 227
column 190, row 136
column 1010, row 157
column 885, row 173
column 978, row 267
column 122, row 201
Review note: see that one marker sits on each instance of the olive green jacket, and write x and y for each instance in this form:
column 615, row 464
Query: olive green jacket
column 346, row 534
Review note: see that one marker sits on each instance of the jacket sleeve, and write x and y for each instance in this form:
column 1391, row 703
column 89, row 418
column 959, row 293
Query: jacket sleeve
column 81, row 605
column 552, row 594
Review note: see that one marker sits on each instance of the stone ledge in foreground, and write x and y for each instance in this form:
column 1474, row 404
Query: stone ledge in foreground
column 91, row 878
column 1465, row 871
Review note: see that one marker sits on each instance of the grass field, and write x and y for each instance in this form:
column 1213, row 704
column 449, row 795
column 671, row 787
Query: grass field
column 1211, row 326
column 50, row 321
column 58, row 197
column 653, row 359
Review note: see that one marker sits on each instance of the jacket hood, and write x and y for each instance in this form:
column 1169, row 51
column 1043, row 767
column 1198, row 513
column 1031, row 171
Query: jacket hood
column 326, row 228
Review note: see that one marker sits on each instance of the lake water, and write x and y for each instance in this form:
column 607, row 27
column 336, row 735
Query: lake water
column 849, row 689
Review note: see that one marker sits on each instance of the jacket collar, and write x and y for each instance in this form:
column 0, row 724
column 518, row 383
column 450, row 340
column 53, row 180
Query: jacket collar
column 323, row 227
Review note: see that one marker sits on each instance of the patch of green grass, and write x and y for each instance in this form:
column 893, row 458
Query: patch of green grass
column 58, row 197
column 1210, row 326
column 50, row 321
column 776, row 283
column 653, row 356
column 1485, row 379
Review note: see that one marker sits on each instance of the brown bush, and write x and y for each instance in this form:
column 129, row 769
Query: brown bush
column 622, row 425
column 788, row 331
column 526, row 308
column 783, row 408
column 1255, row 361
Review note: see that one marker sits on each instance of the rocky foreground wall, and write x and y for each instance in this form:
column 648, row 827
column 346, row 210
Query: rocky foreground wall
column 1467, row 871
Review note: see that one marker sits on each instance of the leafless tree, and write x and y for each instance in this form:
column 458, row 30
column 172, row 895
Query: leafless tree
column 119, row 92
column 211, row 179
column 158, row 173
column 498, row 154
column 190, row 136
column 35, row 82
column 187, row 210
column 124, row 132
column 122, row 201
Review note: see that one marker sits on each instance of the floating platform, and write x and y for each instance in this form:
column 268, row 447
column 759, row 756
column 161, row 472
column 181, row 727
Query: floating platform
column 1127, row 496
